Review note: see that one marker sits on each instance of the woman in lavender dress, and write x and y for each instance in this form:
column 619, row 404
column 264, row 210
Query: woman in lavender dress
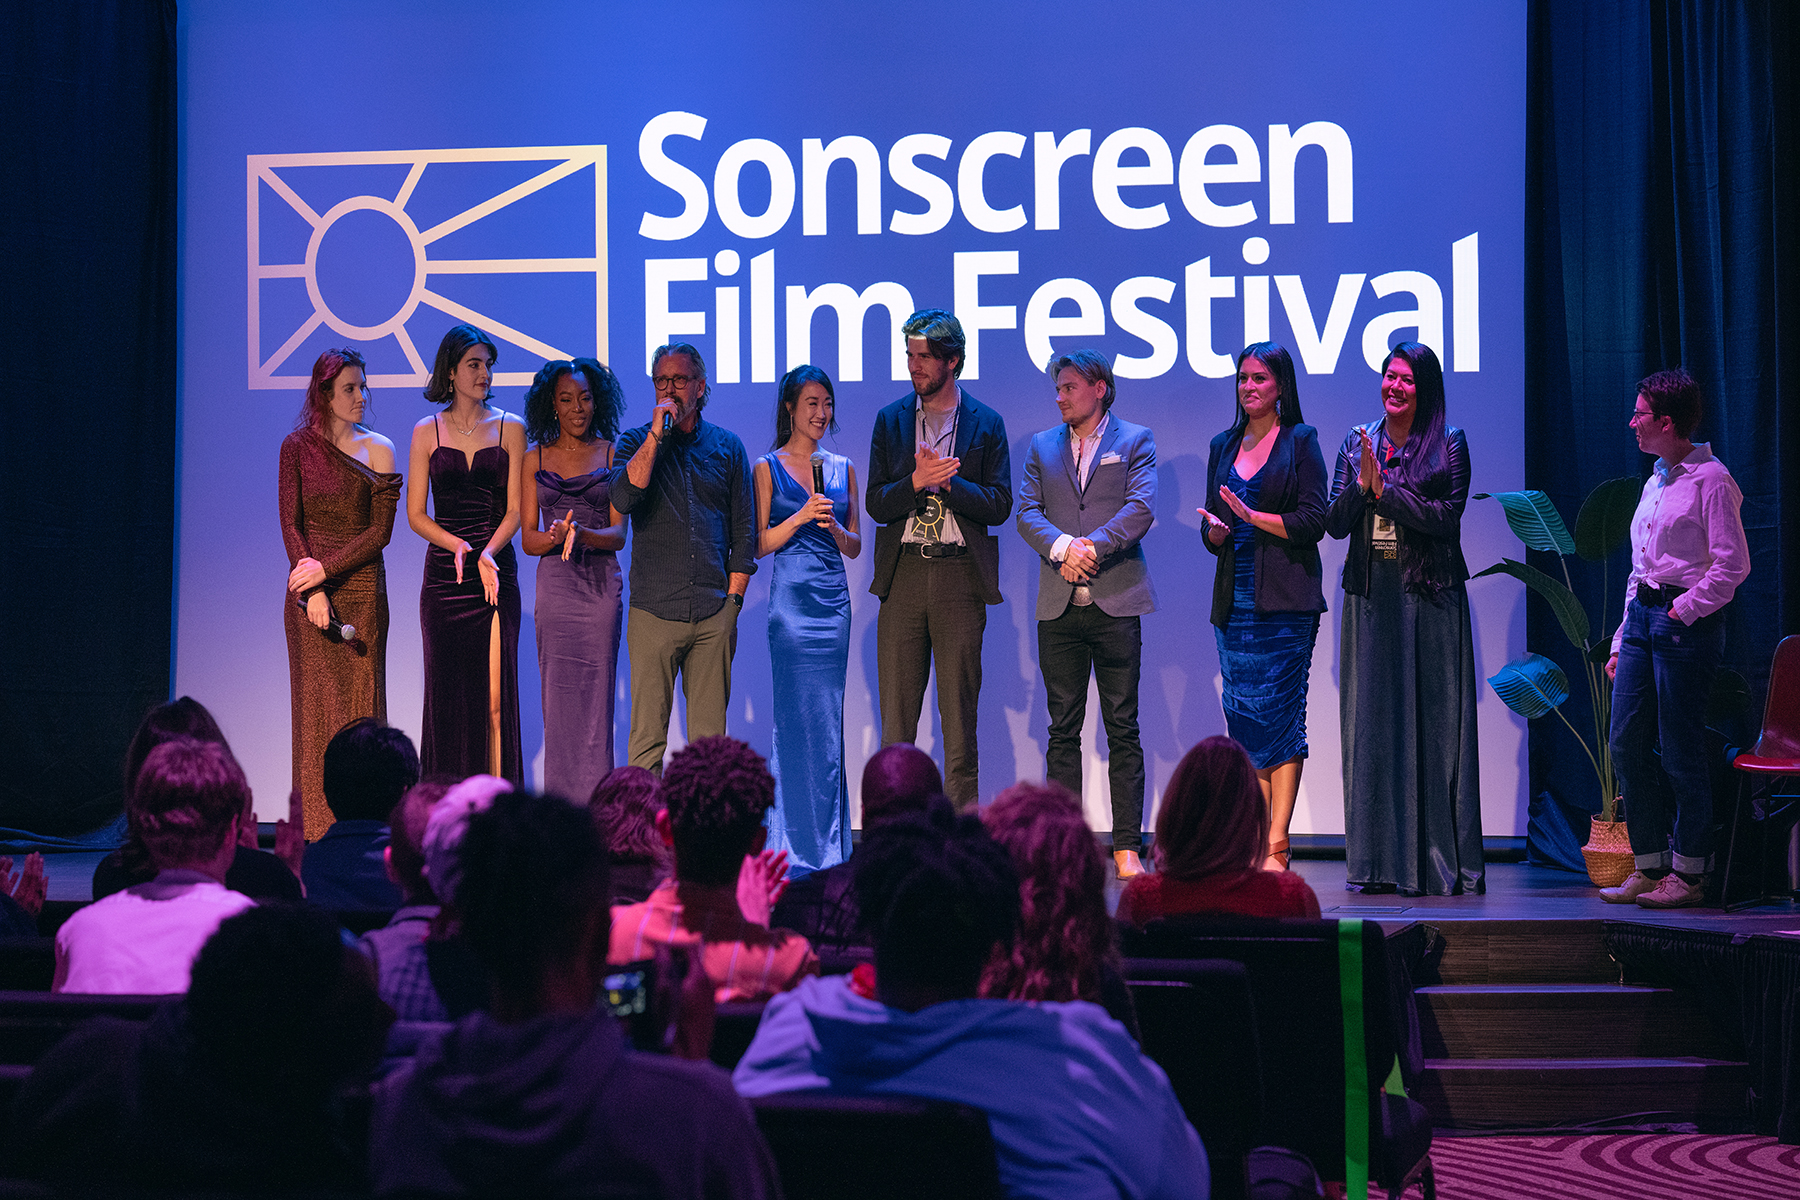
column 572, row 416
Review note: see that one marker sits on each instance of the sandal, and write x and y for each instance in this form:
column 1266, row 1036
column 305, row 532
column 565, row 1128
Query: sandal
column 1278, row 854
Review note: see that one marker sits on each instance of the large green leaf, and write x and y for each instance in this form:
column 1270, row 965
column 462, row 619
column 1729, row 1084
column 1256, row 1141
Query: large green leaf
column 1605, row 518
column 1534, row 520
column 1562, row 601
column 1531, row 686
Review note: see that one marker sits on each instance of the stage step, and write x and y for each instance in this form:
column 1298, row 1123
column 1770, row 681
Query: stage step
column 1565, row 1021
column 1515, row 1093
column 1488, row 952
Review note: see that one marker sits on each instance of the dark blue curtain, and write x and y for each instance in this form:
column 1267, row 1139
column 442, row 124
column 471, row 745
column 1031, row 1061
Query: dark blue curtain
column 1662, row 229
column 87, row 514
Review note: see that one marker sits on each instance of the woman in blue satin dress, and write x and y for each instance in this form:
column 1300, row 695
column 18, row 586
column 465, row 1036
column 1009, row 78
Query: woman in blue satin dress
column 571, row 417
column 810, row 531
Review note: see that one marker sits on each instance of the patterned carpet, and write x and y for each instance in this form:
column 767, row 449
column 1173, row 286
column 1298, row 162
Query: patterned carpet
column 1646, row 1166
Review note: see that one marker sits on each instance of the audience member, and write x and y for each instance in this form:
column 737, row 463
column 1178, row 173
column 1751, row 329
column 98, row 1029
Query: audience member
column 1210, row 839
column 255, row 873
column 184, row 810
column 1075, row 1109
column 400, row 949
column 624, row 807
column 714, row 794
column 899, row 779
column 541, row 1096
column 368, row 767
column 232, row 1088
column 1067, row 945
column 22, row 895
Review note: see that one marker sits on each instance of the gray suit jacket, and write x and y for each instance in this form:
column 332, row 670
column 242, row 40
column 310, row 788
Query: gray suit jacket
column 1115, row 510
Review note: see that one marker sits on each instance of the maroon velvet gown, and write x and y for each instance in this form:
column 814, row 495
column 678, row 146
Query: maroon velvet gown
column 455, row 620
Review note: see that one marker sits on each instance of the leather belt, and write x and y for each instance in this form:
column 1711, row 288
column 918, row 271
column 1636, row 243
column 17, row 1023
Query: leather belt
column 935, row 549
column 1657, row 597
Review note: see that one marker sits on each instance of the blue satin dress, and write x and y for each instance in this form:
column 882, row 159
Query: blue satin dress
column 809, row 651
column 1265, row 658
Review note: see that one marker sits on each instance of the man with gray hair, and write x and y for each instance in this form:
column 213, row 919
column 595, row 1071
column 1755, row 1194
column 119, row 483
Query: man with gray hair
column 685, row 485
column 1088, row 498
column 940, row 473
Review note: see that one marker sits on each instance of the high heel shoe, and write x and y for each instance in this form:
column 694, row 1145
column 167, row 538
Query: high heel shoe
column 1278, row 856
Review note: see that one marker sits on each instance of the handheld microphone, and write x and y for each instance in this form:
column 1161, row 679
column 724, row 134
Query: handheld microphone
column 662, row 423
column 818, row 466
column 333, row 627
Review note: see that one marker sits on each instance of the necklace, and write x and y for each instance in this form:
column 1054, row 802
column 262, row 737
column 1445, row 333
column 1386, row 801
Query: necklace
column 470, row 431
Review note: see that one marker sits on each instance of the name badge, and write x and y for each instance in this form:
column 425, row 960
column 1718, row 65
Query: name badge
column 1386, row 536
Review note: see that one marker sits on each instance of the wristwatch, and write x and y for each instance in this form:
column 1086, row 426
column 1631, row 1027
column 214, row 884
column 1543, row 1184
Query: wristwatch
column 736, row 598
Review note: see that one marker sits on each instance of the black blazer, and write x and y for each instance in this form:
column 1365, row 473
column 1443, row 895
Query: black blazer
column 980, row 495
column 1430, row 518
column 1289, row 575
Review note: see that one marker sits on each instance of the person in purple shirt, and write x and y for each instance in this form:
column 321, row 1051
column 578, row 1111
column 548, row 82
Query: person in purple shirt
column 1688, row 556
column 368, row 767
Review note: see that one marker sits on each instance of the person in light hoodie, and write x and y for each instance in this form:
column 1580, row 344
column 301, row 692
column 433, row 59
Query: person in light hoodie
column 939, row 895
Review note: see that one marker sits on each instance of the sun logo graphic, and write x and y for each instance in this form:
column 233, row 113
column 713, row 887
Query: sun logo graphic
column 388, row 249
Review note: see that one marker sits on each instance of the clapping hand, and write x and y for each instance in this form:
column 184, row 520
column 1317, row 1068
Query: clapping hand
column 762, row 881
column 29, row 887
column 1234, row 503
column 290, row 835
column 1214, row 526
column 307, row 574
column 1369, row 471
column 933, row 469
column 564, row 533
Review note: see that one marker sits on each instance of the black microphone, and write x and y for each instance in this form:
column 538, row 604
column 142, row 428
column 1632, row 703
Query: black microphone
column 662, row 422
column 818, row 466
column 333, row 626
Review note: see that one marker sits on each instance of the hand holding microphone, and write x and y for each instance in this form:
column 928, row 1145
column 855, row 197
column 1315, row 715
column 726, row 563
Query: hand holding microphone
column 818, row 472
column 318, row 611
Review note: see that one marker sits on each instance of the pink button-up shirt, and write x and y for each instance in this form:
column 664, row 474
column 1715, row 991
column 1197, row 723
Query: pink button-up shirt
column 1687, row 532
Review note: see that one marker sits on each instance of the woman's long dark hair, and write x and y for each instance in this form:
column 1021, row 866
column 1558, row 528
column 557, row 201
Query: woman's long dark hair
column 1213, row 820
column 541, row 425
column 787, row 395
column 1274, row 356
column 1425, row 457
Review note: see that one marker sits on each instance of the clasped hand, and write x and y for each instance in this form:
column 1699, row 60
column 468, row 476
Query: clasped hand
column 933, row 469
column 307, row 574
column 1080, row 561
column 1369, row 473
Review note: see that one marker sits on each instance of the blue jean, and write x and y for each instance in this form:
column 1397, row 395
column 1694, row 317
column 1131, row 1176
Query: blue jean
column 1660, row 691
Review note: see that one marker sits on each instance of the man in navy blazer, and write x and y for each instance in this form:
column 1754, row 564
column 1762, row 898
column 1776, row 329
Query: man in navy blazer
column 1088, row 498
column 940, row 473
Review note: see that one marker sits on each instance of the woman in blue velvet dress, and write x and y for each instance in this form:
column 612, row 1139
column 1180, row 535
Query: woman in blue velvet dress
column 1406, row 689
column 810, row 530
column 1265, row 514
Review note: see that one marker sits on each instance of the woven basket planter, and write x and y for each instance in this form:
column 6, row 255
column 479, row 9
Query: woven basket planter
column 1608, row 852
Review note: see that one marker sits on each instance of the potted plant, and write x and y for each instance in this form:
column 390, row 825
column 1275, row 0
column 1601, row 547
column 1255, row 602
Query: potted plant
column 1534, row 685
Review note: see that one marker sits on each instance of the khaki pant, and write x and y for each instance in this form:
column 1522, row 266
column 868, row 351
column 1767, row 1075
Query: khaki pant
column 702, row 652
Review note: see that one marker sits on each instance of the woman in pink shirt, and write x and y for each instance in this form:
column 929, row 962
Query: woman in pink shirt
column 1688, row 556
column 1210, row 836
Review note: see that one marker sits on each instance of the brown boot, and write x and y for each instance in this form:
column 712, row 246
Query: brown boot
column 1127, row 863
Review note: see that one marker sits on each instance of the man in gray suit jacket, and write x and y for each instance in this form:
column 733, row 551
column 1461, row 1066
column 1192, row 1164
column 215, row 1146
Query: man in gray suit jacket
column 1088, row 498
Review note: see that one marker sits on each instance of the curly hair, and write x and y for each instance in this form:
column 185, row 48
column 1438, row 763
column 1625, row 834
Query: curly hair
column 541, row 425
column 326, row 368
column 938, row 896
column 186, row 801
column 1213, row 819
column 716, row 791
column 623, row 807
column 533, row 874
column 1065, row 934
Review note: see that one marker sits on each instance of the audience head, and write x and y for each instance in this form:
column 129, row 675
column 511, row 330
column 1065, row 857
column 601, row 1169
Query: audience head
column 368, row 767
column 623, row 808
column 1065, row 932
column 279, row 1006
column 900, row 779
column 938, row 897
column 446, row 827
column 1213, row 819
column 185, row 805
column 533, row 894
column 715, row 792
column 1675, row 395
column 406, row 840
column 183, row 718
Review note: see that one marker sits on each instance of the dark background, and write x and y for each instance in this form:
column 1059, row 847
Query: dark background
column 1661, row 229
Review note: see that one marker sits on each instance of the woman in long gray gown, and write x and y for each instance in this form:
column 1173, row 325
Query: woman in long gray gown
column 571, row 417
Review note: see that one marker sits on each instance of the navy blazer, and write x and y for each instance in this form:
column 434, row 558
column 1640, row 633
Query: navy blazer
column 1289, row 575
column 980, row 494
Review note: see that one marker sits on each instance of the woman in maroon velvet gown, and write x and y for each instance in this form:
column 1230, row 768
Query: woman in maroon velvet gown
column 338, row 495
column 470, row 459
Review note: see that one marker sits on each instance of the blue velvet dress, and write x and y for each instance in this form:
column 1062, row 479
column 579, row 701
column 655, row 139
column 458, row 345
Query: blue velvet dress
column 809, row 652
column 1265, row 658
